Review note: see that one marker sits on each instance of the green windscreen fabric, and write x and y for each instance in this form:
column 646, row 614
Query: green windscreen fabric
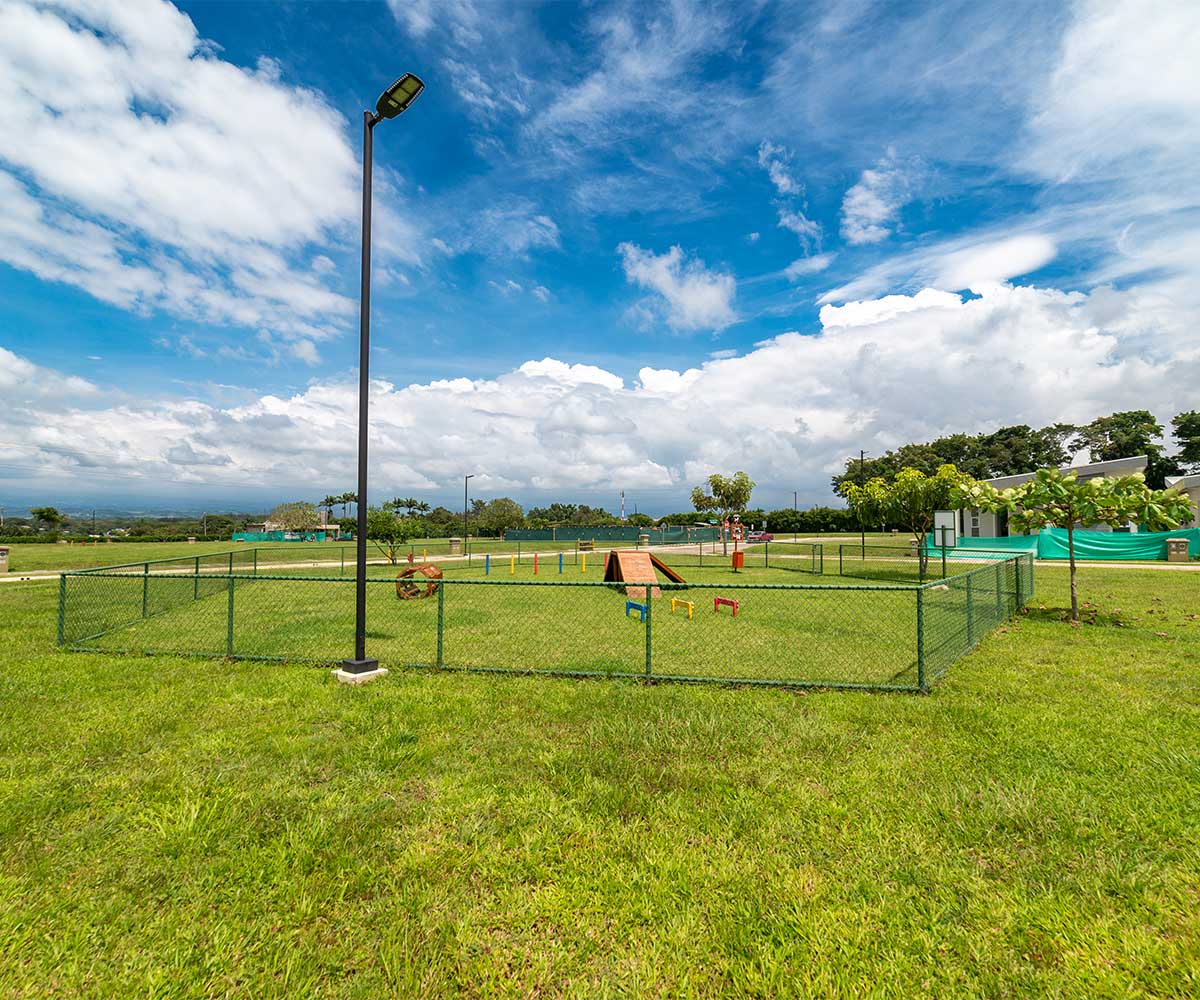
column 1099, row 545
column 1051, row 543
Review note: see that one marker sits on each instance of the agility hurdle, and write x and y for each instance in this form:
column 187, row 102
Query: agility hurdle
column 634, row 606
column 683, row 604
column 718, row 601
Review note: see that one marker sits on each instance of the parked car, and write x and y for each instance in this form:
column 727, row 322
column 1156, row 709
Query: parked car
column 759, row 536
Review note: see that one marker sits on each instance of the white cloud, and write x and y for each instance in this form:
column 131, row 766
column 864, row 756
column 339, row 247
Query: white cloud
column 876, row 374
column 797, row 222
column 777, row 161
column 870, row 207
column 752, row 237
column 693, row 297
column 808, row 265
column 973, row 261
column 541, row 293
column 138, row 166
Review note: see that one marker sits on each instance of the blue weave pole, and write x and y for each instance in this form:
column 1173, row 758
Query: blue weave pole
column 487, row 565
column 634, row 606
column 560, row 562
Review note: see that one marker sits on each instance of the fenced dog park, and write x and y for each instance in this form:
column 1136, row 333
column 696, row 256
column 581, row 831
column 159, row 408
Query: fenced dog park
column 883, row 619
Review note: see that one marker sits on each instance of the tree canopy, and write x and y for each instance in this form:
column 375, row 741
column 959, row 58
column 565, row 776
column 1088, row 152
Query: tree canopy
column 294, row 516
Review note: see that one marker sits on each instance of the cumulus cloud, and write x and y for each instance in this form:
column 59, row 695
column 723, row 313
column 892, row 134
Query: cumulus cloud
column 870, row 207
column 692, row 297
column 875, row 374
column 137, row 165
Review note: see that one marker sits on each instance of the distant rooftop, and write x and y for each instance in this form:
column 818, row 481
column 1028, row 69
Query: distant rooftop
column 1113, row 467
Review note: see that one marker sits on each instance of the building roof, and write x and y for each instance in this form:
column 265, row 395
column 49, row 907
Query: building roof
column 1185, row 482
column 1113, row 467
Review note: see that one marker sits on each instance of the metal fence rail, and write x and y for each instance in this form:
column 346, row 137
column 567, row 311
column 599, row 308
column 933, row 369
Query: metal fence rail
column 882, row 636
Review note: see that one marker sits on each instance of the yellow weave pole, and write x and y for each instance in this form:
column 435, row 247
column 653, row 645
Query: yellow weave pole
column 512, row 565
column 425, row 555
column 582, row 562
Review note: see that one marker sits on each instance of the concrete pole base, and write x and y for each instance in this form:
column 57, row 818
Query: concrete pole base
column 355, row 679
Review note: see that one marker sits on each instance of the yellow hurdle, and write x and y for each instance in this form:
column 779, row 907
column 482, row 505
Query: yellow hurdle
column 512, row 565
column 684, row 604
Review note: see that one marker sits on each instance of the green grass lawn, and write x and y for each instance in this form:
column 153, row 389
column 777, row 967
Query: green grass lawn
column 181, row 827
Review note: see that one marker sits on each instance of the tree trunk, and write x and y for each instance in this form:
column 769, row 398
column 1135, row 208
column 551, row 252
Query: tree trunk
column 1071, row 553
column 922, row 555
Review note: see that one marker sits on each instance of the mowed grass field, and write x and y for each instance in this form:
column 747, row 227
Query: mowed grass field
column 513, row 619
column 181, row 827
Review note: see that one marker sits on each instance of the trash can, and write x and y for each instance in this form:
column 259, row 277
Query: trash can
column 643, row 540
column 3, row 559
column 1177, row 550
column 456, row 546
column 739, row 559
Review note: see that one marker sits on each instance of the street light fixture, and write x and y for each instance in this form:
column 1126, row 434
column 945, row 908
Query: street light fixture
column 465, row 480
column 392, row 102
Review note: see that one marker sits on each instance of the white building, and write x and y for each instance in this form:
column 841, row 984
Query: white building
column 1191, row 486
column 981, row 524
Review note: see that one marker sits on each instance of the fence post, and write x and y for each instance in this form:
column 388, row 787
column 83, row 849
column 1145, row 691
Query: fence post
column 921, row 639
column 62, row 606
column 342, row 568
column 999, row 592
column 970, row 615
column 441, row 618
column 840, row 560
column 649, row 615
column 145, row 589
column 196, row 582
column 254, row 552
column 766, row 555
column 1017, row 589
column 229, row 622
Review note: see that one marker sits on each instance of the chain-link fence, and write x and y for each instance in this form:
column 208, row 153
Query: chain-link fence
column 882, row 636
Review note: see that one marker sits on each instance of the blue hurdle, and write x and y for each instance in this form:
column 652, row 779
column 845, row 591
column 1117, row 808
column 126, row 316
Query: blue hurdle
column 634, row 606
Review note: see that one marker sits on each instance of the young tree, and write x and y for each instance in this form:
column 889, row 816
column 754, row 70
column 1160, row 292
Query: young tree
column 726, row 495
column 909, row 500
column 294, row 516
column 389, row 531
column 1054, row 500
column 497, row 516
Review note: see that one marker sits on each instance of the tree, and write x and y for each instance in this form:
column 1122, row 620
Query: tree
column 295, row 516
column 388, row 530
column 1125, row 434
column 909, row 500
column 497, row 516
column 1186, row 428
column 346, row 499
column 726, row 495
column 47, row 517
column 1054, row 500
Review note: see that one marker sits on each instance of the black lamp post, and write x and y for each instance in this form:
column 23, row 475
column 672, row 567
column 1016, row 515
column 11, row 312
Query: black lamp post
column 466, row 479
column 392, row 102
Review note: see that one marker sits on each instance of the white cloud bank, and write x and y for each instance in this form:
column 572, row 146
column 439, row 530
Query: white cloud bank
column 877, row 374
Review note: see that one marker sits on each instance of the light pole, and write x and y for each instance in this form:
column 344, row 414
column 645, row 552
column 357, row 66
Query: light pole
column 862, row 528
column 392, row 102
column 466, row 479
column 795, row 500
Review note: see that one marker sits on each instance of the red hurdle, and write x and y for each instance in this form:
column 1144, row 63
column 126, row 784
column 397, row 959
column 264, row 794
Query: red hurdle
column 718, row 601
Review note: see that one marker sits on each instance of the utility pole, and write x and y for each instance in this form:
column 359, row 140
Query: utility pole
column 622, row 506
column 93, row 520
column 795, row 500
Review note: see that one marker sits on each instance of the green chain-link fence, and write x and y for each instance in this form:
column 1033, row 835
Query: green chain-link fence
column 887, row 636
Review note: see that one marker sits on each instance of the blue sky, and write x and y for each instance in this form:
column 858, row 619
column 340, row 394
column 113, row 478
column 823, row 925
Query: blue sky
column 617, row 244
